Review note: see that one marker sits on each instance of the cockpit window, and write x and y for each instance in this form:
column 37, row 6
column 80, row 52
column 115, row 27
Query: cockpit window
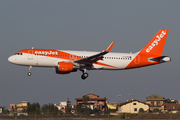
column 18, row 53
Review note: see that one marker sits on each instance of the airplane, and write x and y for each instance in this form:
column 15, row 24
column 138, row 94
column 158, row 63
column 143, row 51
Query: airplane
column 66, row 61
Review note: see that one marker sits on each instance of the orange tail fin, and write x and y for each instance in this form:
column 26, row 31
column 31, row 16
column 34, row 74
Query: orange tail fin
column 156, row 45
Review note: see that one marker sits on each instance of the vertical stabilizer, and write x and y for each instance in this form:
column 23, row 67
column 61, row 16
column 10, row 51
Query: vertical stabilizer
column 156, row 45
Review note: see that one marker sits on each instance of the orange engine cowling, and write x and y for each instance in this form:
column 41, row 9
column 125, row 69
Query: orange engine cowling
column 64, row 68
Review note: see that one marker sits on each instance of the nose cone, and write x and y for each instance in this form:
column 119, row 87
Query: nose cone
column 12, row 59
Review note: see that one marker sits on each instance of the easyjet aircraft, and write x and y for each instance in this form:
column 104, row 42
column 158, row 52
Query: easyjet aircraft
column 66, row 61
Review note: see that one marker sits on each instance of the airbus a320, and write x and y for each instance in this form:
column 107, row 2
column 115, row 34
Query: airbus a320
column 67, row 61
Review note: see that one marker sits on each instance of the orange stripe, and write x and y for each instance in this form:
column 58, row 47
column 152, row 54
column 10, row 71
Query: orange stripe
column 140, row 61
column 55, row 53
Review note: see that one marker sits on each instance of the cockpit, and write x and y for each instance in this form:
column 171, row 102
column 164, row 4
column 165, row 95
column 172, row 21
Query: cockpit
column 18, row 53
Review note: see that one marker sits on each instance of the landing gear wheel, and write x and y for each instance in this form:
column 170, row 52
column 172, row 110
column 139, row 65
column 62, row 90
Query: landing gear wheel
column 84, row 76
column 29, row 73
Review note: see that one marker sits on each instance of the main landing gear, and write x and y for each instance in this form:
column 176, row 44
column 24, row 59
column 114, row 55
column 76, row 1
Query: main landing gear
column 84, row 75
column 29, row 73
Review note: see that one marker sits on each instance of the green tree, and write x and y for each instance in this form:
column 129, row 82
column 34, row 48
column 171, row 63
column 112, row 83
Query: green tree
column 79, row 109
column 6, row 111
column 141, row 110
column 85, row 100
column 87, row 109
column 96, row 111
column 68, row 102
column 68, row 108
column 169, row 101
column 49, row 109
column 179, row 109
column 34, row 108
column 156, row 110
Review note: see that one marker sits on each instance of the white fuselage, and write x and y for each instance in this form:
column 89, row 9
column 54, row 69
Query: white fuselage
column 118, row 60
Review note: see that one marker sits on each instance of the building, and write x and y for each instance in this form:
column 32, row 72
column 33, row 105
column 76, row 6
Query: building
column 155, row 101
column 132, row 106
column 170, row 107
column 94, row 101
column 12, row 107
column 1, row 109
column 61, row 106
column 111, row 105
column 22, row 106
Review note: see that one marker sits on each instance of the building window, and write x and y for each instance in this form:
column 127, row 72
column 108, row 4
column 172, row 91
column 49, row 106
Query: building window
column 134, row 103
column 155, row 97
column 152, row 103
column 135, row 109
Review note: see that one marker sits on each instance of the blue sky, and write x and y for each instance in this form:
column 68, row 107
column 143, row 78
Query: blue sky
column 87, row 25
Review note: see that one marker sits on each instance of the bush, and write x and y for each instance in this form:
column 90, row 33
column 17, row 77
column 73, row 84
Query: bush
column 141, row 110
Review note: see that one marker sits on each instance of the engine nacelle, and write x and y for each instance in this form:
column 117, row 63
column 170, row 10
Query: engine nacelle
column 65, row 68
column 161, row 59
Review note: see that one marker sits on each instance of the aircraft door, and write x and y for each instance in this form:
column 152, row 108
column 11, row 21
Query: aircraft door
column 30, row 54
column 137, row 59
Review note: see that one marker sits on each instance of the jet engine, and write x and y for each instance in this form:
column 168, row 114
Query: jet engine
column 161, row 59
column 65, row 68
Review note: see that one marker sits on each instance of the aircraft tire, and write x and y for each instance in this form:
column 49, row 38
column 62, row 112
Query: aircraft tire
column 29, row 73
column 84, row 76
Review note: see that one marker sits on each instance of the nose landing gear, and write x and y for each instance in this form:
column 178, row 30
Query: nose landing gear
column 29, row 73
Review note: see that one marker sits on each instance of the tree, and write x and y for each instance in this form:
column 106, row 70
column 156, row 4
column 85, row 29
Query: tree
column 85, row 100
column 141, row 110
column 68, row 102
column 96, row 111
column 68, row 108
column 156, row 110
column 6, row 111
column 49, row 109
column 87, row 109
column 79, row 109
column 179, row 109
column 34, row 108
column 170, row 101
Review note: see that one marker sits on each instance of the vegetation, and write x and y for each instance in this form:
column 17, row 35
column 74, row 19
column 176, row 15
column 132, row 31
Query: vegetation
column 156, row 110
column 169, row 101
column 141, row 110
column 49, row 109
column 34, row 109
column 5, row 111
column 109, row 110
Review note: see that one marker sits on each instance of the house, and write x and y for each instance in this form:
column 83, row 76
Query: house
column 94, row 101
column 1, row 109
column 111, row 105
column 170, row 107
column 12, row 107
column 155, row 101
column 61, row 106
column 132, row 106
column 22, row 106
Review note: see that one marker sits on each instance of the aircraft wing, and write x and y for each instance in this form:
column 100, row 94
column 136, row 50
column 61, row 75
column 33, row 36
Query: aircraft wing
column 94, row 58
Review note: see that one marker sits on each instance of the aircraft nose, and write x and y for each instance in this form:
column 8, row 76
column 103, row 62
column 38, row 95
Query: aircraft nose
column 11, row 59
